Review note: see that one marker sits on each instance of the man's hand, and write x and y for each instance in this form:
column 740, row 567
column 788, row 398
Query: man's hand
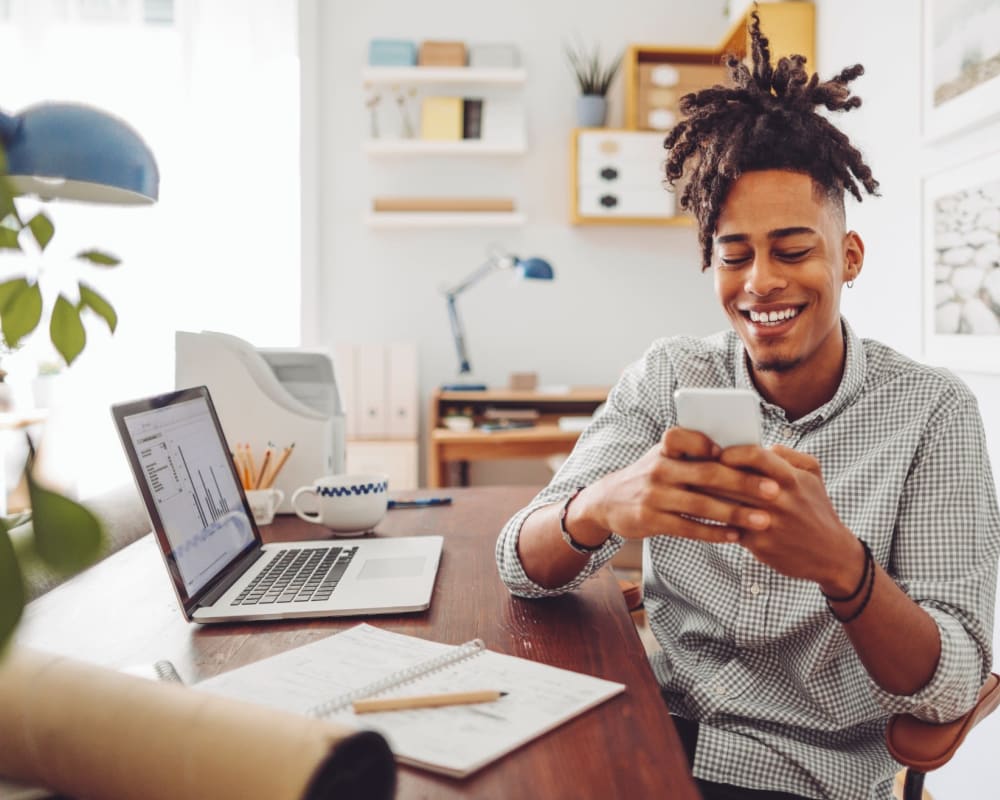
column 804, row 537
column 674, row 485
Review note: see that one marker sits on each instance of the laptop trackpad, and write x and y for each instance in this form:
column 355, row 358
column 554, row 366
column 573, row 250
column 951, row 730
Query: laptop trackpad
column 400, row 567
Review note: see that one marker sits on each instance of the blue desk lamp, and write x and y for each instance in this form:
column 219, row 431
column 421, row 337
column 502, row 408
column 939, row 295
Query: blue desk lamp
column 74, row 152
column 531, row 268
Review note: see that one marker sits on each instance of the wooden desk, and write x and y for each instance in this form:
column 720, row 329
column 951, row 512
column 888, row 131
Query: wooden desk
column 122, row 611
column 545, row 438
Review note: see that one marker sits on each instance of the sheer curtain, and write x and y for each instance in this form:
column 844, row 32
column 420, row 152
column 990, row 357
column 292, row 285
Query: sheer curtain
column 213, row 87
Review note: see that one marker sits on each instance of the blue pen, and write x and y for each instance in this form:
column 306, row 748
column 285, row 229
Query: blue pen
column 420, row 502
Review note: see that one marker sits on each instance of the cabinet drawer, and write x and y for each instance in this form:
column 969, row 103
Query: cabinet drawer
column 595, row 201
column 621, row 145
column 615, row 173
column 398, row 459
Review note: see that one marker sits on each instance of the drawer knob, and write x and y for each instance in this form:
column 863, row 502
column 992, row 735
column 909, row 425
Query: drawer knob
column 609, row 200
column 609, row 173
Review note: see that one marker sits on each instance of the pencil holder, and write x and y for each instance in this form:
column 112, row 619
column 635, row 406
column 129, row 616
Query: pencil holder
column 263, row 503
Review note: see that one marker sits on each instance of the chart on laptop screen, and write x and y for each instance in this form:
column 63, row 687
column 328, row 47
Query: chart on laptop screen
column 186, row 467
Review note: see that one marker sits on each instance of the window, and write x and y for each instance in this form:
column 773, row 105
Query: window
column 213, row 87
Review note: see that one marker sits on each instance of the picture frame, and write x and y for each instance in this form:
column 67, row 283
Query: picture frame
column 961, row 65
column 961, row 266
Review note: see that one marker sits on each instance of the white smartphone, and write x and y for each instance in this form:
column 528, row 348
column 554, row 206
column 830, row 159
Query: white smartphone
column 726, row 416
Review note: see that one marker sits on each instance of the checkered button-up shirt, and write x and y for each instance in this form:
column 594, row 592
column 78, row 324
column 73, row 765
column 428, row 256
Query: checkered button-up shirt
column 756, row 657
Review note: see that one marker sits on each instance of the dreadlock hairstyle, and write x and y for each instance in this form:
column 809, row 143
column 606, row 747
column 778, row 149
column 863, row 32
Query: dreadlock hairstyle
column 766, row 120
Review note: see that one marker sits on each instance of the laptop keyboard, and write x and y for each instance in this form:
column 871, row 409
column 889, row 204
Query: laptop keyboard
column 298, row 576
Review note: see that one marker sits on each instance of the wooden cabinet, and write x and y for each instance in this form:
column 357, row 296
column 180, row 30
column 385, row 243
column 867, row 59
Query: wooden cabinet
column 618, row 177
column 656, row 77
column 555, row 425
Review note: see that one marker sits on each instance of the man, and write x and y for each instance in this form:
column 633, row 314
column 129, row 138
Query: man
column 851, row 571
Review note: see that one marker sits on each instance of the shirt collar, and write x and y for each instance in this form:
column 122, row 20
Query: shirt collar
column 855, row 365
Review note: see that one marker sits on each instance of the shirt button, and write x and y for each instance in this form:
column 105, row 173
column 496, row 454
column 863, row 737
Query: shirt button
column 719, row 689
column 788, row 431
column 755, row 589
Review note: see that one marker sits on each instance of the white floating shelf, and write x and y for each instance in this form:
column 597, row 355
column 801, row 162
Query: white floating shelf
column 468, row 75
column 430, row 147
column 443, row 219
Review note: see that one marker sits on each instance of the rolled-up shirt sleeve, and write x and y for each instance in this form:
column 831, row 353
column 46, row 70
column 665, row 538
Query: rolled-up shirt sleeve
column 631, row 421
column 945, row 557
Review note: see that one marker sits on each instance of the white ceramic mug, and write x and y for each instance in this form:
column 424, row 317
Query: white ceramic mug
column 345, row 503
column 263, row 504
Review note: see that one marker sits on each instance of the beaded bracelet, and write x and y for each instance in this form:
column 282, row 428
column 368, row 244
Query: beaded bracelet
column 869, row 562
column 869, row 575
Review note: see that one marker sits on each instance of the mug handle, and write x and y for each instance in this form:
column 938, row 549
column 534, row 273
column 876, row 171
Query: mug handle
column 298, row 511
column 281, row 497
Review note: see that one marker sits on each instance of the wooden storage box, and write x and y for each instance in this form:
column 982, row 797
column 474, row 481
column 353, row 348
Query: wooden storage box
column 442, row 54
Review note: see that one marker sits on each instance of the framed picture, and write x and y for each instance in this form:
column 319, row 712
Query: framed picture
column 961, row 272
column 961, row 80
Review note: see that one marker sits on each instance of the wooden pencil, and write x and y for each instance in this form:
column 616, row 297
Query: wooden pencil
column 264, row 464
column 286, row 453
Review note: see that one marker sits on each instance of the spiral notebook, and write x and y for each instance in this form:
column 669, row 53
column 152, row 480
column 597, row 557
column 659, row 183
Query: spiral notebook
column 324, row 677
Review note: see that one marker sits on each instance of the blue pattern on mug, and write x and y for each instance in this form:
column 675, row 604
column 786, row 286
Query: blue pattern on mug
column 347, row 491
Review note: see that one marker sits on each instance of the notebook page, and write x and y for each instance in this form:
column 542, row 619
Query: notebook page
column 455, row 740
column 305, row 676
column 458, row 740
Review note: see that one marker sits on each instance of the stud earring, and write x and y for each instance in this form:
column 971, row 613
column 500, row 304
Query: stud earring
column 850, row 284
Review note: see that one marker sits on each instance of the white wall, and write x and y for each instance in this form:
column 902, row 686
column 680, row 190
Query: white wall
column 616, row 288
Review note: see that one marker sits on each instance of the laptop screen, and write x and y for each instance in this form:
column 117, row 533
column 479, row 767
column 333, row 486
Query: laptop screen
column 185, row 472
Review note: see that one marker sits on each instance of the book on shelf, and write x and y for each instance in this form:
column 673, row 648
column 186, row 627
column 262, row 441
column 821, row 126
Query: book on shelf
column 441, row 118
column 472, row 118
column 324, row 679
column 485, row 204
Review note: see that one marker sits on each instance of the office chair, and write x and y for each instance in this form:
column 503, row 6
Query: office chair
column 917, row 745
column 924, row 746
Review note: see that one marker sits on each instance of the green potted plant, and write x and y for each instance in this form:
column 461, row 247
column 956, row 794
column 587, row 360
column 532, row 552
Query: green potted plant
column 65, row 535
column 594, row 78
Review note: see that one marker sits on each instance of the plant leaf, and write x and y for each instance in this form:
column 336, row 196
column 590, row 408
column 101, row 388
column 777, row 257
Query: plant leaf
column 11, row 588
column 66, row 330
column 8, row 239
column 42, row 229
column 68, row 537
column 98, row 258
column 97, row 304
column 21, row 312
column 7, row 207
column 9, row 288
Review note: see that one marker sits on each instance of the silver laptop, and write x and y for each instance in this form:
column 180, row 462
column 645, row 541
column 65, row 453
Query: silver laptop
column 221, row 569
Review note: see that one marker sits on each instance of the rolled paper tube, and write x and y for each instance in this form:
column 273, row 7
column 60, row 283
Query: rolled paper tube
column 91, row 732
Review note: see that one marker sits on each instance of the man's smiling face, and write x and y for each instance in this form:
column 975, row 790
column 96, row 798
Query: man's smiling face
column 780, row 257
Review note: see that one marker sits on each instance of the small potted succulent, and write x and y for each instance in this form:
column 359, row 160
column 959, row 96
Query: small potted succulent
column 594, row 78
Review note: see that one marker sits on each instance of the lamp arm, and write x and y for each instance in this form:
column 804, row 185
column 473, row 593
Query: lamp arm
column 457, row 334
column 481, row 272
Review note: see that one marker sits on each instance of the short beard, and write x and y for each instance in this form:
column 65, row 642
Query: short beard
column 777, row 365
